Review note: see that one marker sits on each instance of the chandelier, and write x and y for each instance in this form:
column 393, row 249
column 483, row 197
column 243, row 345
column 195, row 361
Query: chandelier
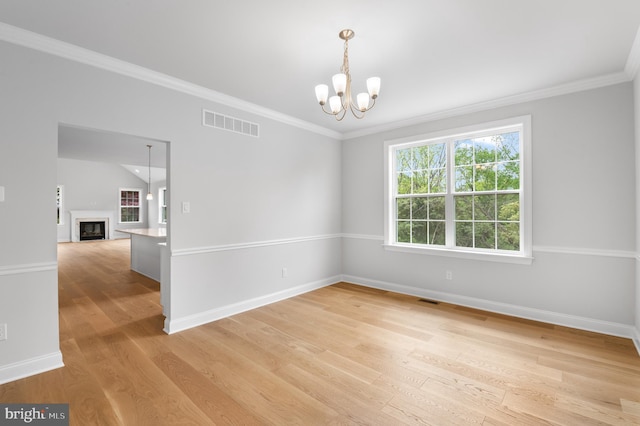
column 342, row 101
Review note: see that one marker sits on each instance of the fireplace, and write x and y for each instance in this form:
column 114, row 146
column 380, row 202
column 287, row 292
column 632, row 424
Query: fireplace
column 92, row 230
column 105, row 217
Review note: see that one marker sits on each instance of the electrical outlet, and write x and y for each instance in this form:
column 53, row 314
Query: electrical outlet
column 449, row 275
column 3, row 331
column 285, row 273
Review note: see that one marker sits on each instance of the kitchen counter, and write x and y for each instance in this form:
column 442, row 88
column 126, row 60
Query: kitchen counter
column 145, row 250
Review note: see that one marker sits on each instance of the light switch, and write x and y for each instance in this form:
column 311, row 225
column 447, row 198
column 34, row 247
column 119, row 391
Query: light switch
column 186, row 207
column 1, row 194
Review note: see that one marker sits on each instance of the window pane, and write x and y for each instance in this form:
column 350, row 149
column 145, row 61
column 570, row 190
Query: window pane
column 421, row 182
column 485, row 235
column 437, row 156
column 436, row 208
column 421, row 157
column 508, row 146
column 508, row 207
column 464, row 234
column 437, row 232
column 419, row 232
column 509, row 175
column 419, row 208
column 438, row 181
column 464, row 179
column 485, row 179
column 484, row 207
column 484, row 150
column 464, row 207
column 403, row 160
column 404, row 183
column 508, row 236
column 404, row 208
column 463, row 152
column 404, row 231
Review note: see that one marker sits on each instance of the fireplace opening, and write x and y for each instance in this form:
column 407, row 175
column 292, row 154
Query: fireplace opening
column 92, row 230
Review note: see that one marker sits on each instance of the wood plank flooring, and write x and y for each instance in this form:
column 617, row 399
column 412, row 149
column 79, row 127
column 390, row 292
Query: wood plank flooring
column 343, row 354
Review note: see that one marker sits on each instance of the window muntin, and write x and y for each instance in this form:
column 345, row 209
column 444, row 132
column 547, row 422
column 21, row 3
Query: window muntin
column 462, row 191
column 130, row 205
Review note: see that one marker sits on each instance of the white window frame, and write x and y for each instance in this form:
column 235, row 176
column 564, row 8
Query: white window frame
column 60, row 204
column 162, row 203
column 524, row 255
column 139, row 206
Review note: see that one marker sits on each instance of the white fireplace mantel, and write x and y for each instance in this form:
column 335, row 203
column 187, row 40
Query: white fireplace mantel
column 78, row 216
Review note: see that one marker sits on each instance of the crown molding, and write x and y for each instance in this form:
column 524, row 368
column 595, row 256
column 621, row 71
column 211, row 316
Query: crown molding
column 79, row 54
column 564, row 89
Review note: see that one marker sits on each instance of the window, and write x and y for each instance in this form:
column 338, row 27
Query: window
column 462, row 193
column 59, row 204
column 162, row 205
column 130, row 205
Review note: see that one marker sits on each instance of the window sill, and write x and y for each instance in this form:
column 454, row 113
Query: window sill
column 462, row 254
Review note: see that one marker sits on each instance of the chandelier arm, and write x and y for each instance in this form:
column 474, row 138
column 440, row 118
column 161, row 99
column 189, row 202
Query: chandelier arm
column 355, row 112
column 338, row 115
column 325, row 111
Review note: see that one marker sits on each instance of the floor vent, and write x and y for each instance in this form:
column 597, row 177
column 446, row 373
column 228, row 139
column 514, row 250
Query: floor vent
column 232, row 124
column 433, row 302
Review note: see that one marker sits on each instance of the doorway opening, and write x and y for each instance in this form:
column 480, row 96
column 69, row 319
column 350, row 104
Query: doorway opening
column 95, row 167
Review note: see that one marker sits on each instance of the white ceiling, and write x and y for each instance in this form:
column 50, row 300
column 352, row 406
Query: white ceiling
column 432, row 55
column 129, row 151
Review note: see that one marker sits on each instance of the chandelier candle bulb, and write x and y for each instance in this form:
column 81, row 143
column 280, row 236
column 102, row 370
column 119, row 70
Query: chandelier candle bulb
column 343, row 102
column 373, row 86
column 334, row 104
column 322, row 93
column 339, row 83
column 363, row 101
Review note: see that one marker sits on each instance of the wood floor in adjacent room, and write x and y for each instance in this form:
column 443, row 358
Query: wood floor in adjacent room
column 343, row 354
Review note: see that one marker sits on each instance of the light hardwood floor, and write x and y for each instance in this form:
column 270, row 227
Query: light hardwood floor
column 343, row 354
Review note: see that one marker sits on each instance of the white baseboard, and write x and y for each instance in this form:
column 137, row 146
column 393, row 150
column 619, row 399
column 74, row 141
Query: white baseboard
column 30, row 367
column 175, row 325
column 573, row 321
column 636, row 339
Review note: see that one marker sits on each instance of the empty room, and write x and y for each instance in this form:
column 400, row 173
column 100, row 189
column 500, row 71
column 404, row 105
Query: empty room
column 420, row 212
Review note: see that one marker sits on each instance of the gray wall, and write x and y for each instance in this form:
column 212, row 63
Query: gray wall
column 93, row 185
column 583, row 218
column 257, row 204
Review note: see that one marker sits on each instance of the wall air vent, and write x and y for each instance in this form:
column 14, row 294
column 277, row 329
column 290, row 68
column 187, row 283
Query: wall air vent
column 232, row 124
